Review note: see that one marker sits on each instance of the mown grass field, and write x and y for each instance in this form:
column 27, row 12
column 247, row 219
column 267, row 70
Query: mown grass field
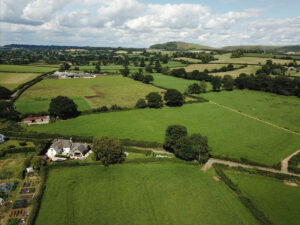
column 169, row 82
column 25, row 69
column 230, row 134
column 141, row 194
column 226, row 58
column 13, row 80
column 236, row 73
column 277, row 109
column 87, row 93
column 277, row 200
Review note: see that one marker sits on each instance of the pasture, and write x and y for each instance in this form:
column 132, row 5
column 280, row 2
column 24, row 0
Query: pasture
column 236, row 73
column 89, row 93
column 155, row 193
column 277, row 109
column 202, row 67
column 13, row 80
column 26, row 69
column 278, row 201
column 226, row 58
column 230, row 134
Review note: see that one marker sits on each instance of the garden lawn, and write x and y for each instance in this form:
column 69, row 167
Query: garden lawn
column 25, row 69
column 139, row 194
column 13, row 80
column 168, row 82
column 102, row 90
column 277, row 200
column 277, row 109
column 11, row 168
column 229, row 133
column 16, row 143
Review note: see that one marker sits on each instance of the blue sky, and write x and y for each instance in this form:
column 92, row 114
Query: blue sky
column 140, row 23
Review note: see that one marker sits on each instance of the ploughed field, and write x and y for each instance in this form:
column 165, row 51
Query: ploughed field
column 229, row 133
column 154, row 193
column 279, row 200
column 87, row 93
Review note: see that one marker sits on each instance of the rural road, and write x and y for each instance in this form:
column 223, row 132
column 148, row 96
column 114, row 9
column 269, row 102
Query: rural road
column 285, row 162
column 211, row 161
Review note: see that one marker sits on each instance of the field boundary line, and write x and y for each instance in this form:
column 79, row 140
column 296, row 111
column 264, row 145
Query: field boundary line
column 255, row 118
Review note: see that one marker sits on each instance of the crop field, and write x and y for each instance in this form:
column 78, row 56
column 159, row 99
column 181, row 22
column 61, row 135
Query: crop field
column 236, row 73
column 179, row 84
column 229, row 133
column 202, row 67
column 278, row 201
column 87, row 93
column 13, row 80
column 277, row 109
column 141, row 194
column 226, row 58
column 26, row 69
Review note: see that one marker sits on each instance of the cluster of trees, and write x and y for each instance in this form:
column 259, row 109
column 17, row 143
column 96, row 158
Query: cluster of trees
column 196, row 88
column 172, row 97
column 281, row 85
column 271, row 68
column 194, row 75
column 194, row 147
column 240, row 52
column 204, row 57
column 107, row 150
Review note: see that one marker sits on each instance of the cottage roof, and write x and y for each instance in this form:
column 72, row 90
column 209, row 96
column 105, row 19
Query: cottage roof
column 37, row 118
column 80, row 147
column 60, row 144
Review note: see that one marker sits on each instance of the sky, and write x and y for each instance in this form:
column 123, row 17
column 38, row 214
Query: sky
column 141, row 23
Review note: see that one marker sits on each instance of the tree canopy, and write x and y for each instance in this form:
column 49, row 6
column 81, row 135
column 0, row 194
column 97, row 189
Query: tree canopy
column 4, row 93
column 63, row 107
column 173, row 133
column 174, row 98
column 154, row 100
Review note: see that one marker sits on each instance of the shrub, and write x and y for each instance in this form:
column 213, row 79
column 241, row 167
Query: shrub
column 173, row 98
column 11, row 146
column 103, row 108
column 154, row 100
column 4, row 93
column 141, row 103
column 22, row 143
column 115, row 107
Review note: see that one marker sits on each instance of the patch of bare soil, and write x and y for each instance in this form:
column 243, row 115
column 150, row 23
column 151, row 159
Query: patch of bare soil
column 287, row 183
column 216, row 178
column 98, row 93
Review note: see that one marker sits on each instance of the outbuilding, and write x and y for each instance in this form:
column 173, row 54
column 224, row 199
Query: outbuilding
column 37, row 120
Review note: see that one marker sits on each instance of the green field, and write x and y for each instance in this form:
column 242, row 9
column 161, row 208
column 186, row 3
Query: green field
column 229, row 133
column 13, row 80
column 12, row 168
column 89, row 93
column 226, row 58
column 155, row 193
column 173, row 82
column 277, row 109
column 25, row 69
column 202, row 67
column 277, row 200
column 236, row 73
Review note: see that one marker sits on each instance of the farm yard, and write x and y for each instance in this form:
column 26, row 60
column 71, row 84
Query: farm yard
column 247, row 138
column 87, row 93
column 153, row 193
column 278, row 199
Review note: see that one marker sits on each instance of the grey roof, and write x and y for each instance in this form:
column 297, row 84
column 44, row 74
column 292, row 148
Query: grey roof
column 80, row 147
column 60, row 144
column 2, row 138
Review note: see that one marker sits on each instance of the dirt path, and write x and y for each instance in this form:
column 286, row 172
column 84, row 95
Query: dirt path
column 211, row 161
column 255, row 118
column 151, row 149
column 285, row 162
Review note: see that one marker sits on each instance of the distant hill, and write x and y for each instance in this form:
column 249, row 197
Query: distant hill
column 180, row 46
column 267, row 48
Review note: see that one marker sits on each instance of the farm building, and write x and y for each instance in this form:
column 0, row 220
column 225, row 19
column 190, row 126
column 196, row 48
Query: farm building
column 2, row 138
column 71, row 75
column 67, row 148
column 37, row 120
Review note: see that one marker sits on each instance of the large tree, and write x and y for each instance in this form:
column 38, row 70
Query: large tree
column 37, row 163
column 157, row 66
column 173, row 133
column 8, row 111
column 174, row 98
column 108, row 151
column 154, row 100
column 216, row 83
column 125, row 71
column 228, row 82
column 4, row 93
column 194, row 89
column 63, row 107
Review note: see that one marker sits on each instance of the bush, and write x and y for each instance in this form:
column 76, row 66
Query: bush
column 11, row 146
column 173, row 98
column 4, row 93
column 115, row 107
column 22, row 143
column 154, row 100
column 141, row 103
column 103, row 109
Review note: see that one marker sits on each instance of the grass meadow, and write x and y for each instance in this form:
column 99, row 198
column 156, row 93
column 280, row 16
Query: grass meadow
column 277, row 200
column 26, row 69
column 236, row 73
column 155, row 193
column 277, row 109
column 230, row 134
column 13, row 80
column 87, row 93
column 226, row 58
